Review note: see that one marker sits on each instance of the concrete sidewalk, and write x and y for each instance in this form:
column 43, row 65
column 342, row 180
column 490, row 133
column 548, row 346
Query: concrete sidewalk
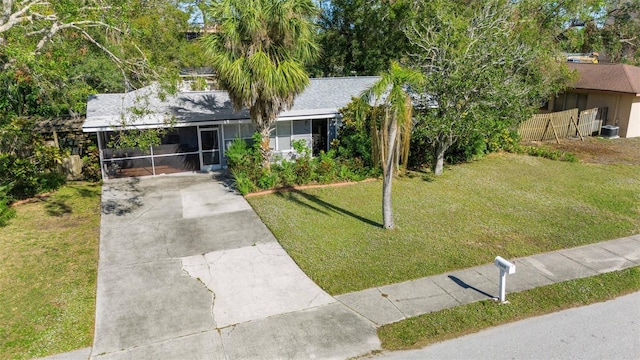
column 188, row 271
column 391, row 303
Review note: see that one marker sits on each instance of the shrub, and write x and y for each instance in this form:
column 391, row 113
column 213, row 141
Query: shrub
column 26, row 178
column 91, row 164
column 245, row 166
column 246, row 159
column 242, row 182
column 326, row 168
column 268, row 180
column 27, row 165
column 6, row 211
column 285, row 171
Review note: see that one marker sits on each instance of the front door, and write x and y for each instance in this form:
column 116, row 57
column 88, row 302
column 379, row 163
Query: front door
column 209, row 149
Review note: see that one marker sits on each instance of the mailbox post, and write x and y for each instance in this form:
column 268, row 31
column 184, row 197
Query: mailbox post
column 505, row 268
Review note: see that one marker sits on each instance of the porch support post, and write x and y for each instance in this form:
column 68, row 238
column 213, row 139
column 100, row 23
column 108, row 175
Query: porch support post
column 99, row 136
column 153, row 163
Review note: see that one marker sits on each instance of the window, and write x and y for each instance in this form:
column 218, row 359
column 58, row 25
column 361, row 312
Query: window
column 238, row 131
column 283, row 129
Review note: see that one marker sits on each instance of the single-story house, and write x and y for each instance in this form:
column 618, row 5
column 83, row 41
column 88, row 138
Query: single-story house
column 205, row 123
column 612, row 88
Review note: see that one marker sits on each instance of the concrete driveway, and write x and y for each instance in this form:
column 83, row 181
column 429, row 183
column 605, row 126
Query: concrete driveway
column 188, row 271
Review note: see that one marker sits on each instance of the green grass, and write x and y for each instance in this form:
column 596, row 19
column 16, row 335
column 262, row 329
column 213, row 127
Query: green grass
column 48, row 269
column 423, row 330
column 508, row 205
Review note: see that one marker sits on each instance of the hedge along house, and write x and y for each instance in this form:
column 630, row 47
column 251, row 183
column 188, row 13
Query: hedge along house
column 205, row 123
column 612, row 88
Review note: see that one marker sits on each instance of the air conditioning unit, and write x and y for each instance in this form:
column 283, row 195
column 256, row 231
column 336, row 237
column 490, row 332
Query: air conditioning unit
column 609, row 131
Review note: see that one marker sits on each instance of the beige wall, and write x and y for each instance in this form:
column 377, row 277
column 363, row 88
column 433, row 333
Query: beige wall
column 624, row 113
column 633, row 129
column 595, row 100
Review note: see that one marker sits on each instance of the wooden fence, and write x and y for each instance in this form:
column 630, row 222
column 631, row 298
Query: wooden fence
column 560, row 125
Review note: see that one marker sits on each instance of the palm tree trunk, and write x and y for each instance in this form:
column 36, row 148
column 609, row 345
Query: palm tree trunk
column 265, row 150
column 387, row 214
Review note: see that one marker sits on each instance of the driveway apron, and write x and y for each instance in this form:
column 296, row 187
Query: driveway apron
column 188, row 271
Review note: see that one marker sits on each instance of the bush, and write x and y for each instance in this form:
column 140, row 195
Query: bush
column 242, row 183
column 6, row 211
column 268, row 180
column 27, row 178
column 91, row 164
column 27, row 165
column 245, row 166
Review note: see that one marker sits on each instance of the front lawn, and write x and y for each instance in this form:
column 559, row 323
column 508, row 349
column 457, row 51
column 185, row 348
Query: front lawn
column 48, row 270
column 508, row 205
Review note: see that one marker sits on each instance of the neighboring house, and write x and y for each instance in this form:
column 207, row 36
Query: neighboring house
column 613, row 88
column 205, row 124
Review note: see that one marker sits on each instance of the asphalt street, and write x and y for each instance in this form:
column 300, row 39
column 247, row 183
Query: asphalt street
column 608, row 330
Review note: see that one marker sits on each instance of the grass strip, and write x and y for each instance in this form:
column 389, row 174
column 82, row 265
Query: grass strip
column 48, row 272
column 423, row 330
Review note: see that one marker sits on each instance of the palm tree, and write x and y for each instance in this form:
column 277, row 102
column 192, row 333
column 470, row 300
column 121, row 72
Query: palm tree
column 393, row 138
column 259, row 51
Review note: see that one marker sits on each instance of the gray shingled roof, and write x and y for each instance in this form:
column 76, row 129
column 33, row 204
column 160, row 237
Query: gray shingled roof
column 322, row 98
column 619, row 78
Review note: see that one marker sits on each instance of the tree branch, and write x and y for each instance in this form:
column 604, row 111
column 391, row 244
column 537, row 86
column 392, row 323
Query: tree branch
column 10, row 20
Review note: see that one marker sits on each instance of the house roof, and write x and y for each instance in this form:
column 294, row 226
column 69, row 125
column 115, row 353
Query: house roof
column 322, row 98
column 618, row 78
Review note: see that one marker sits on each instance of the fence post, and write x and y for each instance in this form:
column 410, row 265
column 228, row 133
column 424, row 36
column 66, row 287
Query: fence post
column 577, row 128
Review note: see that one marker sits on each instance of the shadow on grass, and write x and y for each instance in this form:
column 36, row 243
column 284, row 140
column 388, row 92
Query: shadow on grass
column 296, row 195
column 58, row 206
column 464, row 285
column 122, row 198
column 88, row 192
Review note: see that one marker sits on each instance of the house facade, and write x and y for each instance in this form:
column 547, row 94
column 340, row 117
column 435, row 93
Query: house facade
column 202, row 126
column 612, row 88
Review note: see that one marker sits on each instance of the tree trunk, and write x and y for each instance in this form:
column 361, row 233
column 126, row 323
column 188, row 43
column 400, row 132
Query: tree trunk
column 439, row 166
column 387, row 214
column 265, row 150
column 441, row 147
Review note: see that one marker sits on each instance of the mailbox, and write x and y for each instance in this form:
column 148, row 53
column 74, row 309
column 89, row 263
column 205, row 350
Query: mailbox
column 505, row 266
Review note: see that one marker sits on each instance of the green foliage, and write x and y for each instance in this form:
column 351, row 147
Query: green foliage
column 51, row 67
column 242, row 182
column 585, row 26
column 361, row 37
column 354, row 138
column 545, row 153
column 91, row 164
column 26, row 177
column 249, row 175
column 27, row 165
column 487, row 70
column 6, row 211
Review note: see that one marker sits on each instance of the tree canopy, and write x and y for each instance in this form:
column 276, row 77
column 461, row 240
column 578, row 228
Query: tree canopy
column 54, row 53
column 361, row 37
column 487, row 69
column 260, row 50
